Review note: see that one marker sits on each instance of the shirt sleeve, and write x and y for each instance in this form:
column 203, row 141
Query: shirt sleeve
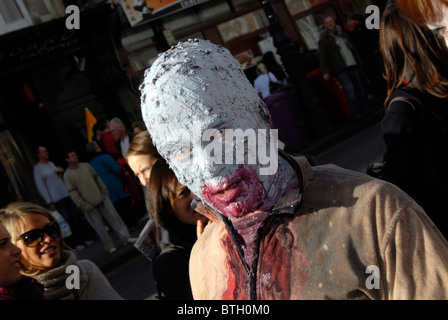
column 98, row 180
column 73, row 191
column 415, row 256
column 272, row 77
column 40, row 185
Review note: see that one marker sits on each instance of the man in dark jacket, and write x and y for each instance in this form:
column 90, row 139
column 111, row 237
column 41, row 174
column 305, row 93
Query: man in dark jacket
column 339, row 58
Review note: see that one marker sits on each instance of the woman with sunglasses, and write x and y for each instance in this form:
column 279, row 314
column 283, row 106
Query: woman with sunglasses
column 45, row 256
column 13, row 285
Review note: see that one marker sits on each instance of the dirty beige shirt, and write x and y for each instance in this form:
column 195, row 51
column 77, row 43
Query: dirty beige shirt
column 353, row 237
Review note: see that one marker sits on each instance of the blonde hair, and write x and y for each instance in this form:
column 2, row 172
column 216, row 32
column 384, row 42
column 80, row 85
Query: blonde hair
column 261, row 68
column 16, row 211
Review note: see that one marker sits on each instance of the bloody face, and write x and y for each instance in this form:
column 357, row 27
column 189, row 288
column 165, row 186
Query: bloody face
column 198, row 105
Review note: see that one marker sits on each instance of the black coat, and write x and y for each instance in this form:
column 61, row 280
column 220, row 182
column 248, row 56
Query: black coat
column 416, row 138
column 171, row 267
column 331, row 60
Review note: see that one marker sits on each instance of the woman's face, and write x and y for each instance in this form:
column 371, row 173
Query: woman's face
column 9, row 260
column 441, row 26
column 141, row 165
column 47, row 253
column 182, row 209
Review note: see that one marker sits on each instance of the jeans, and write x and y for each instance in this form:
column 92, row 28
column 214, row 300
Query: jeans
column 106, row 211
column 351, row 82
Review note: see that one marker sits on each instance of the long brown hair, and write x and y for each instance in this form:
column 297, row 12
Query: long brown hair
column 412, row 54
column 422, row 11
column 163, row 188
column 142, row 144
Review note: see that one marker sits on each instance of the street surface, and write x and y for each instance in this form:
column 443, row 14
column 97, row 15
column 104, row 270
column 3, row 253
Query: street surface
column 134, row 279
column 358, row 151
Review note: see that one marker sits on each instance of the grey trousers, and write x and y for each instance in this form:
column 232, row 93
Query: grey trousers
column 107, row 211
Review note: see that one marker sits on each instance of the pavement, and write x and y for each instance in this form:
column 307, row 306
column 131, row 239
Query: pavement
column 107, row 262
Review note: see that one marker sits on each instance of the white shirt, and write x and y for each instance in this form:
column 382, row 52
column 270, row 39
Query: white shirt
column 124, row 144
column 49, row 184
column 345, row 52
column 261, row 84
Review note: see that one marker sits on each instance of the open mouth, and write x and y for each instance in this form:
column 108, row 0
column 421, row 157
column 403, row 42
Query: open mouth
column 224, row 194
column 228, row 189
column 50, row 250
column 236, row 195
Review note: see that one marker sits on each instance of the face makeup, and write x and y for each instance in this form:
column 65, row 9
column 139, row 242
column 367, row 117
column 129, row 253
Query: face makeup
column 198, row 107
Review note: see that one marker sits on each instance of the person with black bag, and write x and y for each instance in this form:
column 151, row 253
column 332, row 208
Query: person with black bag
column 415, row 126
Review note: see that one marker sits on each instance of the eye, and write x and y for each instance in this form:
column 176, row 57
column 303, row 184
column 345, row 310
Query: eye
column 3, row 242
column 439, row 31
column 185, row 192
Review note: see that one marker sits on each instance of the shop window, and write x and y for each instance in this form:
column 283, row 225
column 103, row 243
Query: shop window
column 183, row 21
column 297, row 6
column 45, row 10
column 13, row 16
column 242, row 25
column 136, row 40
column 142, row 59
column 310, row 27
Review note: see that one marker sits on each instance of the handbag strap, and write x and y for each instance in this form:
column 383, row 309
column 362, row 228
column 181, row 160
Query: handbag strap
column 401, row 99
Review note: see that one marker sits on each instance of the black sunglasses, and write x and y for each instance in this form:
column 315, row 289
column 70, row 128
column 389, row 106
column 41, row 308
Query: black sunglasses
column 34, row 237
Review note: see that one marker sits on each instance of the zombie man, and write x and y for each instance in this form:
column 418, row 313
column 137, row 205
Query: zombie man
column 296, row 232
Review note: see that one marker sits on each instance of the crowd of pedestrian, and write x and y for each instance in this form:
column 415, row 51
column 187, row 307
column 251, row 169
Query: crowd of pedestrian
column 303, row 232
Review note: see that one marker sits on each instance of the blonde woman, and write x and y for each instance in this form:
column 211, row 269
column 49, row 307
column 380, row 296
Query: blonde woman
column 265, row 81
column 45, row 256
column 13, row 285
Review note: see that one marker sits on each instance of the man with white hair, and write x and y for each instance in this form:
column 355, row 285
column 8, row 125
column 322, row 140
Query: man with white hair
column 282, row 228
column 118, row 130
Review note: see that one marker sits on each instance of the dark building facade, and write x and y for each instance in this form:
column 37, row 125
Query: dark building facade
column 49, row 74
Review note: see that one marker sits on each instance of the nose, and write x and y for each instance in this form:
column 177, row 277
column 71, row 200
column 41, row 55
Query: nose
column 143, row 180
column 46, row 238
